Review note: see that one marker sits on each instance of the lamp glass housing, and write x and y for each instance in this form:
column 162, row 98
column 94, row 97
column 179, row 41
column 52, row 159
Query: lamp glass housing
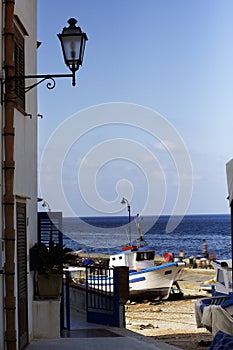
column 73, row 42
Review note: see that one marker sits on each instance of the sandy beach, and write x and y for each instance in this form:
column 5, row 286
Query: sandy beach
column 173, row 321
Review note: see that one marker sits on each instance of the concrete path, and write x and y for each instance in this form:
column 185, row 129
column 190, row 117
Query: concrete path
column 89, row 336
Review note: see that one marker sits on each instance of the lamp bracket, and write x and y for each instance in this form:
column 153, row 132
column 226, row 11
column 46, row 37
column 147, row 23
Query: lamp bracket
column 42, row 77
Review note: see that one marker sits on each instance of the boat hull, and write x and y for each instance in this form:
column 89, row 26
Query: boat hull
column 155, row 294
column 155, row 282
column 151, row 283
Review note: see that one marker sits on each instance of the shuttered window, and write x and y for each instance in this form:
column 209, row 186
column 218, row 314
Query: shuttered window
column 19, row 68
column 50, row 227
column 22, row 274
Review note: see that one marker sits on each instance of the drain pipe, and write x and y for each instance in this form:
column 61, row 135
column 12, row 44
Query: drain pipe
column 8, row 174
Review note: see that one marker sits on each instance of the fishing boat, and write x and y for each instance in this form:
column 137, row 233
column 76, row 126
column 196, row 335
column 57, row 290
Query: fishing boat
column 223, row 270
column 215, row 313
column 221, row 285
column 145, row 279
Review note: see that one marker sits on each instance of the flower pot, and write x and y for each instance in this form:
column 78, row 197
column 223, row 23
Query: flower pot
column 49, row 286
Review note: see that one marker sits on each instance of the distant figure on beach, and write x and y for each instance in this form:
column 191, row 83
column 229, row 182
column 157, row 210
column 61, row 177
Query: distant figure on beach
column 204, row 249
column 181, row 254
column 212, row 256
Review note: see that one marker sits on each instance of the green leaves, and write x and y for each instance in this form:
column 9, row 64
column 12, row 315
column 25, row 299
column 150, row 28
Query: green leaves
column 51, row 259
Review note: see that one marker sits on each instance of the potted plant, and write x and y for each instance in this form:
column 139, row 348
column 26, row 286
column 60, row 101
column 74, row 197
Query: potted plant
column 50, row 261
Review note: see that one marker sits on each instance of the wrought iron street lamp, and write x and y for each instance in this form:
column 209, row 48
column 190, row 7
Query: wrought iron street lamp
column 73, row 42
column 125, row 201
column 46, row 204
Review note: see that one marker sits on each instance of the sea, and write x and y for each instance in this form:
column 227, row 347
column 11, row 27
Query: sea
column 107, row 235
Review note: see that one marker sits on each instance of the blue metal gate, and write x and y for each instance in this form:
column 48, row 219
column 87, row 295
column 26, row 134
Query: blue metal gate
column 107, row 290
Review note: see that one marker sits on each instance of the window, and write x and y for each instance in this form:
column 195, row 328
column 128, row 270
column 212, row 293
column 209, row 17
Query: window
column 145, row 256
column 19, row 68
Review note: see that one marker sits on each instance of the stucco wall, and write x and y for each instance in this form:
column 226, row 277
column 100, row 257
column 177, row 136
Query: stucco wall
column 25, row 186
column 25, row 149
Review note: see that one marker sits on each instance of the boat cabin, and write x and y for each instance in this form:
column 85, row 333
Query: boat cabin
column 223, row 269
column 135, row 260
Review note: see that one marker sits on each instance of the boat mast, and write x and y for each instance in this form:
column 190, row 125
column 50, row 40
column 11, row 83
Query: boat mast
column 124, row 201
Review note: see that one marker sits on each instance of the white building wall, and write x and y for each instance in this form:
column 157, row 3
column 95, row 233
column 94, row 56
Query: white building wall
column 25, row 186
column 25, row 150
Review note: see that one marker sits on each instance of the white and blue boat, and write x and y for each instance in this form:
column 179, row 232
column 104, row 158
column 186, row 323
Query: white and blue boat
column 146, row 280
column 223, row 270
column 216, row 313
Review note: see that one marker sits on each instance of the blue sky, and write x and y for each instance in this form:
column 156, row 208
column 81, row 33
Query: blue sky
column 171, row 56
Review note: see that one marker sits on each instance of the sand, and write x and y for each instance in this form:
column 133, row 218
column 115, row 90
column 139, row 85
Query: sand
column 173, row 321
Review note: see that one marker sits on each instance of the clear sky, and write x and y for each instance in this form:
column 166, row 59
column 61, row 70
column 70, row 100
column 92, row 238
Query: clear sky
column 173, row 57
